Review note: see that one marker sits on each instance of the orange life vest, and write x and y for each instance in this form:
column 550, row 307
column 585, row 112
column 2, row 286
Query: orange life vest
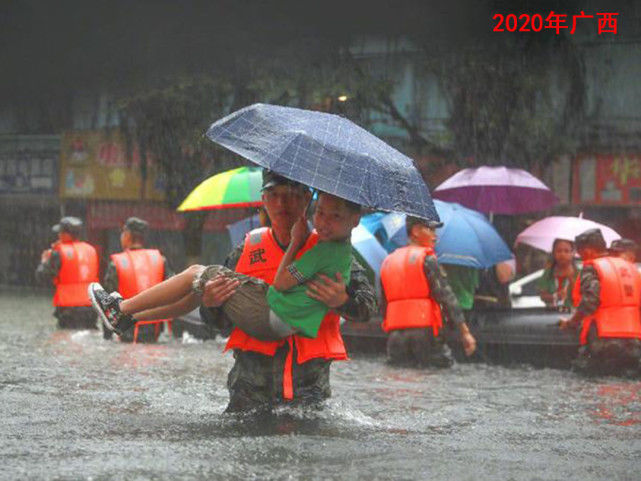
column 618, row 314
column 138, row 269
column 407, row 292
column 576, row 291
column 78, row 268
column 260, row 258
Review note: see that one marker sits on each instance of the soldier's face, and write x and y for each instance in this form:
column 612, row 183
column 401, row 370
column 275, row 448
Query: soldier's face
column 423, row 236
column 629, row 256
column 65, row 237
column 125, row 239
column 587, row 253
column 285, row 204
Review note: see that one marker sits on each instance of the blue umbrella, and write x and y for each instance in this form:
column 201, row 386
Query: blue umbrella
column 369, row 248
column 467, row 238
column 327, row 152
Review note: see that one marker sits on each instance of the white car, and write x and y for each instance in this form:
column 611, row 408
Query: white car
column 524, row 292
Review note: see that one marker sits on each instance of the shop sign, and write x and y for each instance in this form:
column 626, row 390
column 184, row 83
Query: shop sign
column 607, row 179
column 29, row 164
column 95, row 165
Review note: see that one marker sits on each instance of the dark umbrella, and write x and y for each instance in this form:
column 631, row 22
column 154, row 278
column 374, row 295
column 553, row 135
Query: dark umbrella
column 327, row 152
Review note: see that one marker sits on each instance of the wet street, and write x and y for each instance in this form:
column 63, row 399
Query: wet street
column 76, row 407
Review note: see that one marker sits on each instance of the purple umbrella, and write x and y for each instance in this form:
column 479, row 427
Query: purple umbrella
column 542, row 233
column 497, row 190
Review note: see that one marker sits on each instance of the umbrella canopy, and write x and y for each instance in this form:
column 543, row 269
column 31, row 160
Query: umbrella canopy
column 500, row 190
column 467, row 238
column 234, row 188
column 369, row 248
column 542, row 233
column 326, row 152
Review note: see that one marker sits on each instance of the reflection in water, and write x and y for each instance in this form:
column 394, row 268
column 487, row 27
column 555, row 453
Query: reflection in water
column 75, row 406
column 618, row 403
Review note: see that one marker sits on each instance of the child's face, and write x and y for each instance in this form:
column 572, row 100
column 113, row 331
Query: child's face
column 333, row 220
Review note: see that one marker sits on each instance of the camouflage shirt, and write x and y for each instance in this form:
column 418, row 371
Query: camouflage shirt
column 48, row 270
column 590, row 291
column 360, row 306
column 441, row 291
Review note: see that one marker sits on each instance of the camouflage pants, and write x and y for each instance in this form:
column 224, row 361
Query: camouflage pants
column 255, row 382
column 417, row 347
column 609, row 357
column 81, row 317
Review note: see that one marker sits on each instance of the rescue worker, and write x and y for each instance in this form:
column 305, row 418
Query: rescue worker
column 71, row 265
column 295, row 370
column 608, row 299
column 624, row 248
column 133, row 270
column 415, row 291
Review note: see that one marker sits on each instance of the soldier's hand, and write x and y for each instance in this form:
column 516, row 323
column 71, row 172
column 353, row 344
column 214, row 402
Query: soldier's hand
column 217, row 290
column 45, row 256
column 332, row 293
column 564, row 323
column 469, row 343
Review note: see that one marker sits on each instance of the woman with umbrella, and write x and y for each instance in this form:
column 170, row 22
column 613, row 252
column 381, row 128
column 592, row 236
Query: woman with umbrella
column 555, row 285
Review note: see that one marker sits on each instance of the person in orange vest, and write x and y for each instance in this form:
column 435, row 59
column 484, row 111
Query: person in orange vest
column 608, row 300
column 133, row 270
column 415, row 293
column 268, row 312
column 71, row 265
column 296, row 369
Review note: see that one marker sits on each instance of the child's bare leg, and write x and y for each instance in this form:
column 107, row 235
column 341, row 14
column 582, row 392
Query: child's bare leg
column 184, row 306
column 165, row 293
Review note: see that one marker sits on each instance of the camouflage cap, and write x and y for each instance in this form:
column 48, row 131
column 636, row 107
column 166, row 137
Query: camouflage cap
column 623, row 245
column 272, row 179
column 590, row 238
column 136, row 225
column 69, row 224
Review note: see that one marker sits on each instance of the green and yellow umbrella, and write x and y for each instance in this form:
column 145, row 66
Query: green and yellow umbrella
column 234, row 188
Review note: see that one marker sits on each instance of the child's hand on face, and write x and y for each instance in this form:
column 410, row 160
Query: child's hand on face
column 299, row 232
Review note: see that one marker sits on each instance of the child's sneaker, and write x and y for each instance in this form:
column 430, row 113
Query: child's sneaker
column 108, row 308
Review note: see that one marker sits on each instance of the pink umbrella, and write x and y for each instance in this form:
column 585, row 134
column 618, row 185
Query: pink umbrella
column 498, row 190
column 542, row 233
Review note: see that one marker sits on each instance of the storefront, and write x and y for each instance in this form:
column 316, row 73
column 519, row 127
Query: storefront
column 28, row 201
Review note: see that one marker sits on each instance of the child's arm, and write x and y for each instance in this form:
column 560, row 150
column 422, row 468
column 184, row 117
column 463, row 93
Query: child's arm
column 284, row 280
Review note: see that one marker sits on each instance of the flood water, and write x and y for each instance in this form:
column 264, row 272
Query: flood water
column 76, row 407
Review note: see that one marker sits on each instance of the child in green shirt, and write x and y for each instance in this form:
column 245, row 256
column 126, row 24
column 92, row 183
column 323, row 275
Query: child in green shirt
column 266, row 312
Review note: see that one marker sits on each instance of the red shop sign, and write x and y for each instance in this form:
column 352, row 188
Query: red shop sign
column 607, row 179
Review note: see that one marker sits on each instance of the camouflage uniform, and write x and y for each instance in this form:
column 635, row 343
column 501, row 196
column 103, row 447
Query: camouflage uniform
column 419, row 346
column 77, row 317
column 256, row 380
column 607, row 355
column 146, row 332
